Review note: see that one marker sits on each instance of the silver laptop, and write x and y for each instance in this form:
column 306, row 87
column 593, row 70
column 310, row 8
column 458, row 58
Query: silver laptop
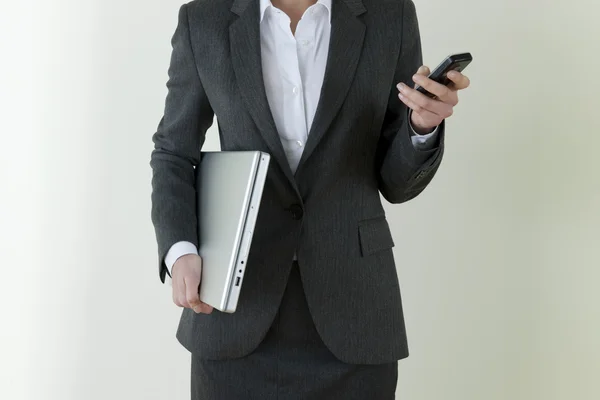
column 229, row 190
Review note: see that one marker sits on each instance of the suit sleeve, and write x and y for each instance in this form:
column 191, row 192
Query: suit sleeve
column 177, row 145
column 405, row 170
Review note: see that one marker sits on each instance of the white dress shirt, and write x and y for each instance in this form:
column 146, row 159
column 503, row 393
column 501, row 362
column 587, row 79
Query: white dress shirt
column 293, row 71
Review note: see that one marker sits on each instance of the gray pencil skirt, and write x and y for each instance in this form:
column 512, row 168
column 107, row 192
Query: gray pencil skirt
column 292, row 363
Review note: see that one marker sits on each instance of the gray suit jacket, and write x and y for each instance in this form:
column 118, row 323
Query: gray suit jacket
column 330, row 210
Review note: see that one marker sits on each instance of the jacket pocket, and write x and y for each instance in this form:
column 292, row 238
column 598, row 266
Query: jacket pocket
column 374, row 235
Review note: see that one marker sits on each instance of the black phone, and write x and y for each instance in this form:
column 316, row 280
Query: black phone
column 455, row 62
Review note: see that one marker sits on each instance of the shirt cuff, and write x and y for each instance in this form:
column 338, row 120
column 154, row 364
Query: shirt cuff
column 178, row 250
column 423, row 142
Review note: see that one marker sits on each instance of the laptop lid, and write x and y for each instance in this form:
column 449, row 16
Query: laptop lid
column 225, row 183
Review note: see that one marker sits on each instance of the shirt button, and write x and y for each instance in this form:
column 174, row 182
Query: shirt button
column 299, row 143
column 296, row 211
column 305, row 43
column 295, row 90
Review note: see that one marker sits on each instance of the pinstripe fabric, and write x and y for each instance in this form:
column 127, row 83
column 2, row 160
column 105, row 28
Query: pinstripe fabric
column 291, row 363
column 329, row 212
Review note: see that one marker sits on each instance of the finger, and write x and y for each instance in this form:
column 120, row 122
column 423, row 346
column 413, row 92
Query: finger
column 193, row 297
column 459, row 80
column 423, row 70
column 432, row 86
column 426, row 115
column 182, row 301
column 183, row 298
column 203, row 308
column 192, row 287
column 437, row 107
column 181, row 292
column 177, row 290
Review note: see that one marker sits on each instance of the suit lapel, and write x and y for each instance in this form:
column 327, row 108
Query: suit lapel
column 346, row 42
column 244, row 35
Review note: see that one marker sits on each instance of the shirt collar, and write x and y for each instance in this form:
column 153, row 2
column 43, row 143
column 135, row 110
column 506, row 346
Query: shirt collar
column 266, row 4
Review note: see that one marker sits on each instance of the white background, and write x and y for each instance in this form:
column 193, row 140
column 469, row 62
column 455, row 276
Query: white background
column 499, row 259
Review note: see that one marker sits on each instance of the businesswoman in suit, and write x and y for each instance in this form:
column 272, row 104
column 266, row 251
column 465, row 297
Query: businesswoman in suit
column 325, row 87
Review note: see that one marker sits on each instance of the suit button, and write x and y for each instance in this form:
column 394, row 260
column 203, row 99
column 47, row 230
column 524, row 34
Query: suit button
column 296, row 211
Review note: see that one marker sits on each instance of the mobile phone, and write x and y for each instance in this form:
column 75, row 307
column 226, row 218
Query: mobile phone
column 455, row 62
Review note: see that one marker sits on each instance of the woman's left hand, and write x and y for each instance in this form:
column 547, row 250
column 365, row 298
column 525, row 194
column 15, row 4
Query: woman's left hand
column 428, row 113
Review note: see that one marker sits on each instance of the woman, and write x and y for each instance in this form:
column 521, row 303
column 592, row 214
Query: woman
column 325, row 87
